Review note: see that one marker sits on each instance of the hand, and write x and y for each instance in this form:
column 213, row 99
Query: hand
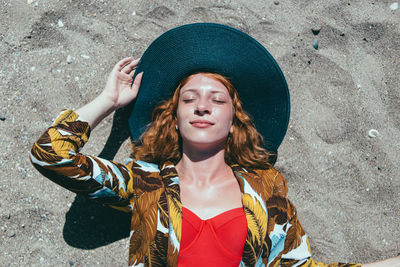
column 117, row 93
column 118, row 88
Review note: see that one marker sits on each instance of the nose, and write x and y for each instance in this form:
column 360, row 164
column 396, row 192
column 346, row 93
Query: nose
column 202, row 106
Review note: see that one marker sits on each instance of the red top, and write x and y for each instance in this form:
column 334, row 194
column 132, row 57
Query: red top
column 218, row 241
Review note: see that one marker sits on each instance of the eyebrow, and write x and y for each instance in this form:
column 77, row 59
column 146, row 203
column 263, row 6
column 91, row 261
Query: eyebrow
column 196, row 90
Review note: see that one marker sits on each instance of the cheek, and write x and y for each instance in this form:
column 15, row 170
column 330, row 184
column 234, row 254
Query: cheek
column 181, row 115
column 180, row 112
column 226, row 115
column 230, row 125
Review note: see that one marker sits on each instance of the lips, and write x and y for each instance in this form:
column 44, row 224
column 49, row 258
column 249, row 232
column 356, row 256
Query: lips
column 201, row 123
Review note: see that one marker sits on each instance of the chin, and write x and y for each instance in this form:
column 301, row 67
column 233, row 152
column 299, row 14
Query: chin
column 204, row 143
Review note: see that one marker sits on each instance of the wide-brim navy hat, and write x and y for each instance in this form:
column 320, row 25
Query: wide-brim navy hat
column 214, row 48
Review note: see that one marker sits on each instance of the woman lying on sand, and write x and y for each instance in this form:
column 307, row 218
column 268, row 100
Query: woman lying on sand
column 200, row 186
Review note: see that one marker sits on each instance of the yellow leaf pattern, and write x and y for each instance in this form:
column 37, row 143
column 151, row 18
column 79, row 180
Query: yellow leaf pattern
column 152, row 194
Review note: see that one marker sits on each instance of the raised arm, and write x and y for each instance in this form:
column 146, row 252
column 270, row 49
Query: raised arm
column 56, row 153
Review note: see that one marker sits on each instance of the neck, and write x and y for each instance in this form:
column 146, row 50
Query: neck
column 203, row 166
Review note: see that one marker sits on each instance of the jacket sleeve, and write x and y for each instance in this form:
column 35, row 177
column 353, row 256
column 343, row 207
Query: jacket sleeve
column 56, row 156
column 288, row 241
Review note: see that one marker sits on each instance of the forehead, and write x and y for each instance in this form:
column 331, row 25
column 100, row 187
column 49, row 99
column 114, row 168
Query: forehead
column 201, row 82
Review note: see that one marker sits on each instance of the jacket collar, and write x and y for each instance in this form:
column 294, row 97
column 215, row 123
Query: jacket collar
column 253, row 205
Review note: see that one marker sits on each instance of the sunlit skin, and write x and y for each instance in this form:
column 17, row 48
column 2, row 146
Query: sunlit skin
column 205, row 114
column 208, row 186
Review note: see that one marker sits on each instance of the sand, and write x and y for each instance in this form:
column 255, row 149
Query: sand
column 343, row 177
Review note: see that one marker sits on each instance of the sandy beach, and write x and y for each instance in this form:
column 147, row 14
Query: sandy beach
column 340, row 155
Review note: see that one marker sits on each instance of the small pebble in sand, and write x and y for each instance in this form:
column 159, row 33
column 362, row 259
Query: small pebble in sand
column 276, row 3
column 60, row 23
column 373, row 133
column 11, row 234
column 2, row 118
column 69, row 59
column 76, row 78
column 29, row 2
column 394, row 6
column 315, row 44
column 33, row 68
column 133, row 13
column 316, row 29
column 71, row 263
column 133, row 51
column 85, row 56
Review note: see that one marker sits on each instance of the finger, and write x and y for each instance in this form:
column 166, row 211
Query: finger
column 131, row 66
column 122, row 63
column 137, row 81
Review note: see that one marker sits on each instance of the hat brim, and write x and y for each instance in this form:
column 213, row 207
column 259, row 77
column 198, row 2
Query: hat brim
column 214, row 48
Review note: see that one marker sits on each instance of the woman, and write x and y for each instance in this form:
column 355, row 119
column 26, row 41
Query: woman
column 200, row 187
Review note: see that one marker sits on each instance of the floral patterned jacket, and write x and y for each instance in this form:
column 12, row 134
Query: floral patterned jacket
column 151, row 193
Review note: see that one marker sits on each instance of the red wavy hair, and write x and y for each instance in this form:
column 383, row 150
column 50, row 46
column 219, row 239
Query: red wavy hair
column 161, row 141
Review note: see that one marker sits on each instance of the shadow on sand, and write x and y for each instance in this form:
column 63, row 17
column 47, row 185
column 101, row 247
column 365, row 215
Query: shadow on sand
column 88, row 224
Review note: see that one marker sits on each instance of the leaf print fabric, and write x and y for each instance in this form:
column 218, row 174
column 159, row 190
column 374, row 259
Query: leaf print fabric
column 151, row 193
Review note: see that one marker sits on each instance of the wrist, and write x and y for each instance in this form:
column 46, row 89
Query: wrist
column 106, row 103
column 96, row 110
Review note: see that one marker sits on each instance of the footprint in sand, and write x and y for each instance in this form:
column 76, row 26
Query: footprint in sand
column 44, row 32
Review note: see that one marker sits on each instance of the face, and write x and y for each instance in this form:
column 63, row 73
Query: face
column 204, row 112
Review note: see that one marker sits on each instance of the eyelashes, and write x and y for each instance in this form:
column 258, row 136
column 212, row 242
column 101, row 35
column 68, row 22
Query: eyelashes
column 217, row 101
